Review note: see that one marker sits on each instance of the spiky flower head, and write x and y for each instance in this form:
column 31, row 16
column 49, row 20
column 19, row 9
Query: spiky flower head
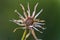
column 29, row 21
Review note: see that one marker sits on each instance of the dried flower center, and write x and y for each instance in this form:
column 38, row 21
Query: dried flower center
column 29, row 21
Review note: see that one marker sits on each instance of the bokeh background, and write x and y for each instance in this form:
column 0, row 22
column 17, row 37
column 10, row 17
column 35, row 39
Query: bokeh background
column 51, row 15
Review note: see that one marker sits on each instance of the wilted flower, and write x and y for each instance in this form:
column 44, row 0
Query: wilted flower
column 29, row 21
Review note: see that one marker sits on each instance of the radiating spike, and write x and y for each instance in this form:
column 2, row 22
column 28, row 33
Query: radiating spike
column 19, row 28
column 34, row 35
column 40, row 23
column 41, row 20
column 40, row 27
column 27, row 35
column 28, row 11
column 37, row 30
column 20, row 24
column 20, row 16
column 13, row 20
column 17, row 22
column 23, row 10
column 38, row 14
column 37, row 20
column 34, row 10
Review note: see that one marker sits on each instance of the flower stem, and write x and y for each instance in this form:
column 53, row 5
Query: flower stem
column 24, row 34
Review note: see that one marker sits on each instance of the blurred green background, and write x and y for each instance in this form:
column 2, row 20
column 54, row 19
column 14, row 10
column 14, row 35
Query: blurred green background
column 50, row 14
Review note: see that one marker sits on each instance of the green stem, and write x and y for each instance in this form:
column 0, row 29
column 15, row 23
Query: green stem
column 23, row 37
